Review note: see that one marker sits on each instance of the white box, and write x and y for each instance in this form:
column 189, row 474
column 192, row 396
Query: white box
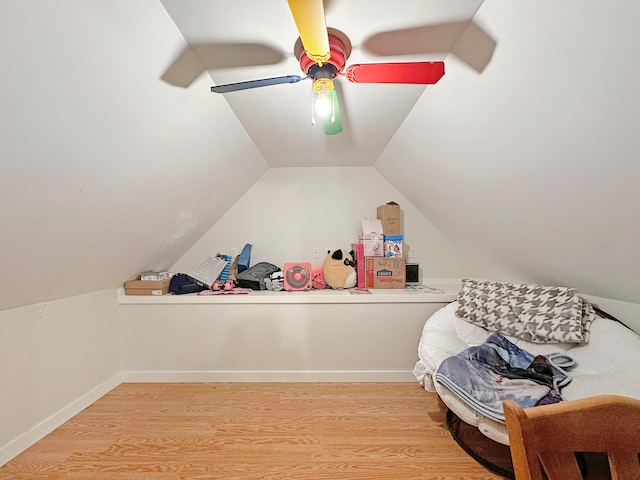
column 155, row 276
column 371, row 237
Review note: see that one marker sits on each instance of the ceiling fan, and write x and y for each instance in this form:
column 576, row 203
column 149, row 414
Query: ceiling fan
column 322, row 53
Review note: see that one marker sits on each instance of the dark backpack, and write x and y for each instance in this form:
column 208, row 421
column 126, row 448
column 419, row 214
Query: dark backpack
column 254, row 276
column 182, row 283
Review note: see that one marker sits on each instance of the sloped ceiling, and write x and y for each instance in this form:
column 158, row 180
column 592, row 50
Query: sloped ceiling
column 536, row 162
column 105, row 168
column 278, row 118
column 531, row 160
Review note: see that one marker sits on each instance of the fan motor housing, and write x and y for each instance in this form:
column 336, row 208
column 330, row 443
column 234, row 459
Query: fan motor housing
column 332, row 67
column 325, row 71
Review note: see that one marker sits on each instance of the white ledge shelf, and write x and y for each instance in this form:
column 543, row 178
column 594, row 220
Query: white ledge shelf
column 440, row 291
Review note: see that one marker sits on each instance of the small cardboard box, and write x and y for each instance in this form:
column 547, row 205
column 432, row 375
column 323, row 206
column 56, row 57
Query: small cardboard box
column 147, row 287
column 381, row 272
column 389, row 215
column 372, row 238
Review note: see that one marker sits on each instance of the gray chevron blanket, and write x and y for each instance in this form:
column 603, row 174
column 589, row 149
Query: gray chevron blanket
column 536, row 313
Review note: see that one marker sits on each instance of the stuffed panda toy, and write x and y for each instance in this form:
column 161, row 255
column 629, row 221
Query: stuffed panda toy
column 339, row 269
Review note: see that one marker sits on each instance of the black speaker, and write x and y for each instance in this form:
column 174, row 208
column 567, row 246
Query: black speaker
column 413, row 274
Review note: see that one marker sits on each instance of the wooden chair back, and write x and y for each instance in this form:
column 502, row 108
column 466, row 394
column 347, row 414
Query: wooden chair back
column 546, row 437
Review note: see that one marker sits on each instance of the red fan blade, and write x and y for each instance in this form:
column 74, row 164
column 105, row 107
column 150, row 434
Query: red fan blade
column 403, row 72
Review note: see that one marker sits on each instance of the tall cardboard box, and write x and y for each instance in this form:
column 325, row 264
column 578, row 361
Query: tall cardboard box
column 389, row 216
column 382, row 272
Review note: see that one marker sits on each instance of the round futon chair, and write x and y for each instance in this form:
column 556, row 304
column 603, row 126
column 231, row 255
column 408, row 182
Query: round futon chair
column 606, row 365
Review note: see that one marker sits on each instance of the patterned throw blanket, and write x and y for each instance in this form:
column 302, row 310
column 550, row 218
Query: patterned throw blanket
column 485, row 375
column 535, row 313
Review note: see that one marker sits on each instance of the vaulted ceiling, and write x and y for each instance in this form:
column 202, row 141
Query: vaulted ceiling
column 525, row 152
column 278, row 118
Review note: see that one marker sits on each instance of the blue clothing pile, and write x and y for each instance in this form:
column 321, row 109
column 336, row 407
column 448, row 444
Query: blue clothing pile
column 484, row 376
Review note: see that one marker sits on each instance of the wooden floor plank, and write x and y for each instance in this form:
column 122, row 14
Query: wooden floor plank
column 206, row 431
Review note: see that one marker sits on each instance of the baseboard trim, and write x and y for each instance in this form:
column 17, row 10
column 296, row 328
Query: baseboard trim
column 268, row 376
column 24, row 441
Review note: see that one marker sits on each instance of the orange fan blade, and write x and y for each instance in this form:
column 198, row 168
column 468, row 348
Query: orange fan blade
column 309, row 18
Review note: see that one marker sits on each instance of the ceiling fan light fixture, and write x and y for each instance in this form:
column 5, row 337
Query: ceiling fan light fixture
column 322, row 53
column 323, row 104
column 333, row 124
column 323, row 85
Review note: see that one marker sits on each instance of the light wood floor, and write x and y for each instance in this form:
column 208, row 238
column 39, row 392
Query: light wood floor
column 198, row 431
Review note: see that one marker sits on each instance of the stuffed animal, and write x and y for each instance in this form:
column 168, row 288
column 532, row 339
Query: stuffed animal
column 339, row 270
column 318, row 279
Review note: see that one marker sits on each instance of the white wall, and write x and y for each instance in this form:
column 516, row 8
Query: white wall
column 272, row 342
column 55, row 358
column 291, row 210
column 286, row 337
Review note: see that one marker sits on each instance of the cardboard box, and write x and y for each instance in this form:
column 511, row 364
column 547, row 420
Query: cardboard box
column 372, row 238
column 389, row 215
column 381, row 272
column 147, row 287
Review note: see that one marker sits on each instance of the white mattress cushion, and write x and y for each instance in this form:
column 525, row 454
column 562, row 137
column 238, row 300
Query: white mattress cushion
column 444, row 335
column 608, row 364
